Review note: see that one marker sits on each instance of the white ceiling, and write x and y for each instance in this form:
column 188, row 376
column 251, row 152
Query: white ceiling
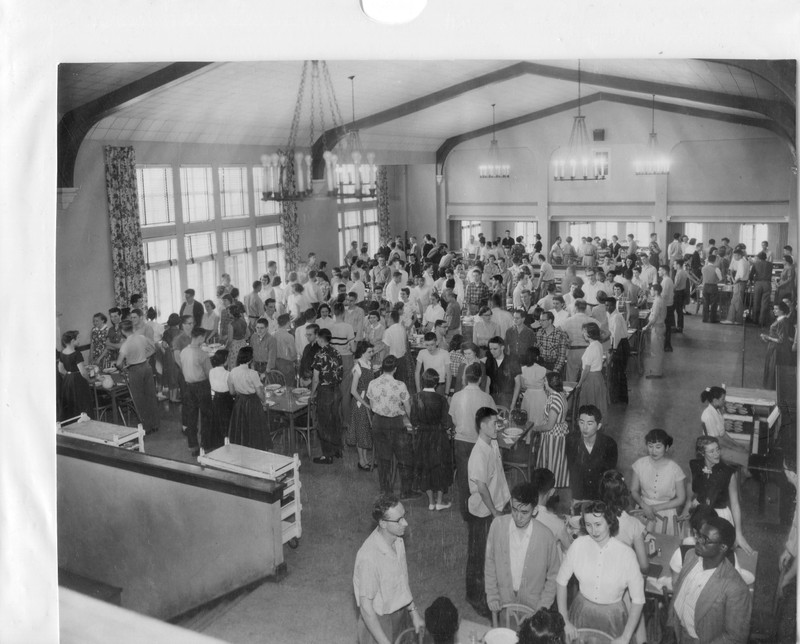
column 253, row 102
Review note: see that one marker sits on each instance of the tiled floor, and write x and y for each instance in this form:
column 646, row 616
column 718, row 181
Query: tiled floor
column 314, row 603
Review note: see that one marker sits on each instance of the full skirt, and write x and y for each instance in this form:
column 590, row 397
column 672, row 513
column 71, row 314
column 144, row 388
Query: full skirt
column 249, row 423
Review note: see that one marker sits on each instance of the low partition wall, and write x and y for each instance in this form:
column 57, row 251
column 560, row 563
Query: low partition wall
column 172, row 535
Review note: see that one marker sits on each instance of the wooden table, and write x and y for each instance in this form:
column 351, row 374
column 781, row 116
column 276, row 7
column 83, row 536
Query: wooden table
column 288, row 405
column 95, row 431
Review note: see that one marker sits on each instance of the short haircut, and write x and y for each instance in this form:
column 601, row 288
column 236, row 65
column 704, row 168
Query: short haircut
column 497, row 340
column 283, row 319
column 198, row 332
column 658, row 435
column 338, row 309
column 389, row 364
column 313, row 327
column 69, row 336
column 220, row 357
column 137, row 312
column 430, row 378
column 263, row 322
column 590, row 410
column 441, row 620
column 325, row 334
column 482, row 414
column 473, row 372
column 592, row 330
column 580, row 304
column 383, row 503
column 727, row 533
column 189, row 291
column 702, row 442
column 430, row 336
column 525, row 492
column 244, row 356
column 601, row 508
column 114, row 309
column 543, row 479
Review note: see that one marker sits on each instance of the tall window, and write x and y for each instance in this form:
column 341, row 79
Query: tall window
column 606, row 229
column 161, row 275
column 358, row 224
column 640, row 231
column 752, row 235
column 694, row 231
column 469, row 229
column 236, row 246
column 156, row 198
column 197, row 194
column 269, row 247
column 263, row 208
column 527, row 229
column 201, row 272
column 233, row 192
column 579, row 230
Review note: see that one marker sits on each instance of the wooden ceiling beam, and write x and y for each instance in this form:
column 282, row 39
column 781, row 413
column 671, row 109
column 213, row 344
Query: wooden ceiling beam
column 75, row 124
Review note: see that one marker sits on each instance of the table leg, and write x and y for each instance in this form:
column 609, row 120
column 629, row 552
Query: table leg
column 115, row 407
column 291, row 434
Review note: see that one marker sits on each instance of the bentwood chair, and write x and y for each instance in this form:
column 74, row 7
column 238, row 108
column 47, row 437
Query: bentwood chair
column 511, row 616
column 274, row 377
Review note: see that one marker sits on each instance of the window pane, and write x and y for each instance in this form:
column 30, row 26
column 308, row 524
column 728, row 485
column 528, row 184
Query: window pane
column 238, row 267
column 270, row 247
column 576, row 231
column 160, row 251
column 233, row 192
column 197, row 194
column 260, row 186
column 606, row 229
column 201, row 276
column 200, row 246
column 163, row 290
column 236, row 241
column 156, row 198
column 694, row 231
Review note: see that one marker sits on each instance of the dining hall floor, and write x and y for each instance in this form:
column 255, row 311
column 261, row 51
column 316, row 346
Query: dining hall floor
column 314, row 601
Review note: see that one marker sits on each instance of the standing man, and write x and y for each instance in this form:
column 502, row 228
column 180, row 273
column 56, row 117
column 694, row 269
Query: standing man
column 711, row 279
column 655, row 250
column 343, row 340
column 196, row 365
column 253, row 306
column 508, row 242
column 452, row 316
column 522, row 557
column 476, row 294
column 134, row 354
column 114, row 339
column 674, row 251
column 179, row 343
column 711, row 601
column 546, row 276
column 520, row 337
column 501, row 371
column 589, row 454
column 354, row 315
column 681, row 294
column 380, row 273
column 739, row 270
column 488, row 497
column 192, row 307
column 380, row 579
column 502, row 318
column 285, row 351
column 553, row 343
column 432, row 357
column 328, row 373
column 306, row 371
column 761, row 274
column 668, row 295
column 390, row 402
column 619, row 353
column 633, row 247
column 573, row 327
column 396, row 341
column 463, row 407
column 264, row 347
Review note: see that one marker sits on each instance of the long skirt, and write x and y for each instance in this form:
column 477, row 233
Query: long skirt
column 655, row 357
column 552, row 455
column 249, row 423
column 617, row 372
column 594, row 392
column 434, row 461
column 609, row 618
column 533, row 402
column 221, row 410
column 76, row 396
column 234, row 352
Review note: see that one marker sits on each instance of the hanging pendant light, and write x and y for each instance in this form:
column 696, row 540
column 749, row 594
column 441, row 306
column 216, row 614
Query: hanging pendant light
column 494, row 168
column 354, row 170
column 653, row 161
column 577, row 162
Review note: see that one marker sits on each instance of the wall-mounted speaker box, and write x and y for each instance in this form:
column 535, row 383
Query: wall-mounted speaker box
column 599, row 135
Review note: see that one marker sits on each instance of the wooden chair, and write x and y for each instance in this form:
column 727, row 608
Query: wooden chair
column 410, row 636
column 307, row 429
column 512, row 616
column 274, row 377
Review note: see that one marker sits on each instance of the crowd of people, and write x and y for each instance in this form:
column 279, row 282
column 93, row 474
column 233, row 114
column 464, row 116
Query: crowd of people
column 420, row 355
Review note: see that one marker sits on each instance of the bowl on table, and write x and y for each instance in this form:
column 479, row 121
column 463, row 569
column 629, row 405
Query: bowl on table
column 272, row 387
column 500, row 636
column 513, row 433
column 300, row 391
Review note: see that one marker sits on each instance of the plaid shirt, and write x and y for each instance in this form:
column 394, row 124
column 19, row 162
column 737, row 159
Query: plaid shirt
column 553, row 346
column 456, row 360
column 475, row 294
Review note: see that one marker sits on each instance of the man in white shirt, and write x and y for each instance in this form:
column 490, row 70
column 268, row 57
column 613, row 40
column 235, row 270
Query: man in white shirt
column 711, row 600
column 354, row 315
column 254, row 306
column 620, row 351
column 357, row 286
column 523, row 284
column 649, row 272
column 739, row 271
column 668, row 295
column 488, row 497
column 590, row 287
column 577, row 344
column 522, row 556
column 300, row 340
column 420, row 294
column 396, row 341
column 502, row 318
column 674, row 251
column 432, row 357
column 559, row 311
column 393, row 286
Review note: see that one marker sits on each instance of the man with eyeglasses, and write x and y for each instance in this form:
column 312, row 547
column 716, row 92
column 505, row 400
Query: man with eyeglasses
column 521, row 555
column 712, row 603
column 380, row 578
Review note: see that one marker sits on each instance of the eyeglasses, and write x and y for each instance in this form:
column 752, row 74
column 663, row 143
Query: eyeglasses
column 402, row 518
column 704, row 540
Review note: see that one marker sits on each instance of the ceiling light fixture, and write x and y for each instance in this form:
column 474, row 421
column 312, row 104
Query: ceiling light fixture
column 494, row 168
column 578, row 162
column 354, row 170
column 653, row 161
column 287, row 172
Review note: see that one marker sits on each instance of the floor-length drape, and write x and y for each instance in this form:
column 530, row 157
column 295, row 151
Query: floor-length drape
column 384, row 220
column 127, row 256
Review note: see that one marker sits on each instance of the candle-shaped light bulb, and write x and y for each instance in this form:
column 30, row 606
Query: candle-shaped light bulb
column 265, row 160
column 298, row 172
column 328, row 158
column 307, row 169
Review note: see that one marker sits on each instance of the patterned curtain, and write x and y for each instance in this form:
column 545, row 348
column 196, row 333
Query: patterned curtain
column 291, row 235
column 384, row 221
column 127, row 257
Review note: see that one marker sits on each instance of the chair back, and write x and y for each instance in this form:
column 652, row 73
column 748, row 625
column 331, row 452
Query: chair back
column 410, row 636
column 511, row 616
column 274, row 377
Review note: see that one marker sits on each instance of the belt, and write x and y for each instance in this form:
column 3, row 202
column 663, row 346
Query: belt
column 136, row 365
column 578, row 346
column 254, row 317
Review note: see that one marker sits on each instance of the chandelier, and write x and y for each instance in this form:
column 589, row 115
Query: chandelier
column 494, row 168
column 654, row 161
column 351, row 172
column 287, row 172
column 578, row 162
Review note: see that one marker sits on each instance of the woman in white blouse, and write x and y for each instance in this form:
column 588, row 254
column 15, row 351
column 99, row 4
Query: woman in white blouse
column 592, row 383
column 714, row 425
column 605, row 568
column 249, row 425
column 433, row 312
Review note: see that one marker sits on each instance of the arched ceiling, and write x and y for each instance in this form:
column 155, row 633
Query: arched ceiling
column 417, row 106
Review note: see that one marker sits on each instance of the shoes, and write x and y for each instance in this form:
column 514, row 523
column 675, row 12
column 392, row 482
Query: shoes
column 160, row 397
column 726, row 322
column 443, row 506
column 668, row 349
column 323, row 460
column 653, row 377
column 431, row 506
column 410, row 495
column 364, row 468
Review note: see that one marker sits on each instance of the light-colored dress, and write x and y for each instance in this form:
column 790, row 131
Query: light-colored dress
column 593, row 390
column 659, row 485
column 534, row 400
column 552, row 454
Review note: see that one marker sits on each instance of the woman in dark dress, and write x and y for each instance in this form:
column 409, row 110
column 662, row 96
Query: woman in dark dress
column 430, row 415
column 779, row 343
column 249, row 421
column 221, row 400
column 359, row 432
column 76, row 395
column 169, row 378
column 714, row 483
